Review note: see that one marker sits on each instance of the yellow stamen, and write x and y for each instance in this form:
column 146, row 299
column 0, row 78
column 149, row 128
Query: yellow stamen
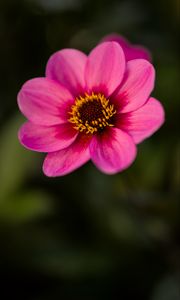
column 91, row 113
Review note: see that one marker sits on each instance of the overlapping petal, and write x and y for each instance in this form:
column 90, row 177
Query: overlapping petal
column 131, row 51
column 143, row 122
column 112, row 151
column 67, row 67
column 105, row 68
column 137, row 85
column 46, row 138
column 44, row 102
column 65, row 161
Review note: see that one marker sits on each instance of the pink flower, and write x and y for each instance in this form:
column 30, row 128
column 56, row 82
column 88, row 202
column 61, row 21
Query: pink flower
column 94, row 107
column 130, row 51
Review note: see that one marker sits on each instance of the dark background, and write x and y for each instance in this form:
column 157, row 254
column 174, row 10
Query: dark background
column 88, row 235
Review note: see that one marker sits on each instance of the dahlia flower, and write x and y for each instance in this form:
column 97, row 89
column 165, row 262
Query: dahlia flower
column 95, row 107
column 130, row 51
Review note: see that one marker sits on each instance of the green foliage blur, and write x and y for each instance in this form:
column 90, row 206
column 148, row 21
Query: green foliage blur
column 88, row 235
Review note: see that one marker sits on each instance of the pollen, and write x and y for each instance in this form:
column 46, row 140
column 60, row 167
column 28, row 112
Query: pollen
column 91, row 113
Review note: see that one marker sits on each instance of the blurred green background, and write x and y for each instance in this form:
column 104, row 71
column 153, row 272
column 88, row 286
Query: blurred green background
column 88, row 235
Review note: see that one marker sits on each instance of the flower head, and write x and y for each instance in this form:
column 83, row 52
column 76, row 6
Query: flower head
column 94, row 107
column 130, row 51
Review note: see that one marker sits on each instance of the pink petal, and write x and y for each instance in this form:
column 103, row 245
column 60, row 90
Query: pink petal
column 113, row 151
column 67, row 67
column 105, row 68
column 143, row 122
column 137, row 85
column 131, row 51
column 47, row 139
column 65, row 161
column 44, row 102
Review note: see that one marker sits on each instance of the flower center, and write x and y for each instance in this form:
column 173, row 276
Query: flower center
column 91, row 113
